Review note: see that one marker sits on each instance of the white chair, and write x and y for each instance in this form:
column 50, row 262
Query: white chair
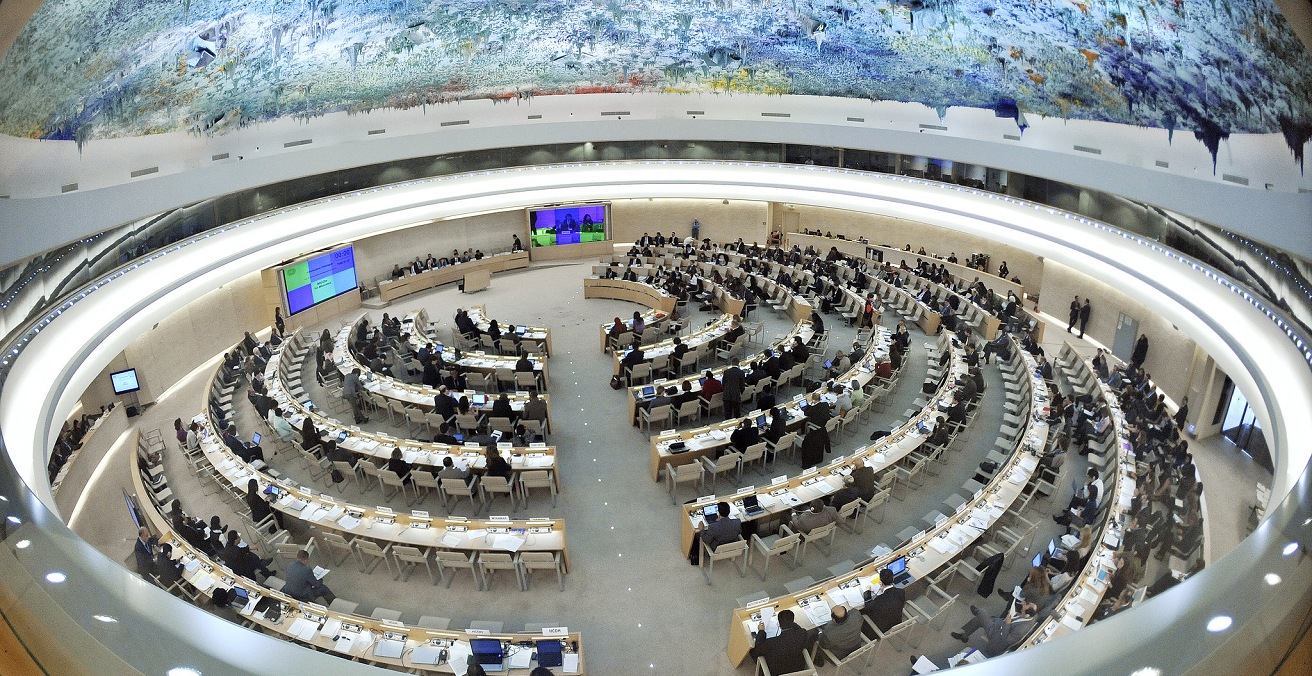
column 677, row 474
column 457, row 488
column 725, row 463
column 539, row 478
column 455, row 561
column 369, row 548
column 531, row 561
column 411, row 557
column 495, row 485
column 490, row 562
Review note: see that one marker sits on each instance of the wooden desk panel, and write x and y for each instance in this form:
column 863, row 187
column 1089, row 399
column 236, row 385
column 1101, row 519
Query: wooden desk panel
column 393, row 289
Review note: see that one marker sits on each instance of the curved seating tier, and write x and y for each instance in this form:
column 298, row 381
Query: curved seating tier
column 930, row 550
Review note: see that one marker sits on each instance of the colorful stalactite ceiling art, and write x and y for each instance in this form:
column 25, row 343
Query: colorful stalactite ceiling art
column 89, row 69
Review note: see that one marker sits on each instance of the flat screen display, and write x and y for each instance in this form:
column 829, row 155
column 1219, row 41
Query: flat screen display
column 318, row 279
column 124, row 381
column 567, row 225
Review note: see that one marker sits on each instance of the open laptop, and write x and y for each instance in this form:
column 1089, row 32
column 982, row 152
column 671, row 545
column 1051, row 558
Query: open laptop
column 488, row 653
column 521, row 330
column 479, row 399
column 549, row 654
column 898, row 567
column 648, row 392
column 1037, row 561
column 255, row 439
column 752, row 506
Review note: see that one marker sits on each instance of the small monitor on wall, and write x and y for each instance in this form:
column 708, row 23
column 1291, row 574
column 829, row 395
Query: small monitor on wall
column 125, row 381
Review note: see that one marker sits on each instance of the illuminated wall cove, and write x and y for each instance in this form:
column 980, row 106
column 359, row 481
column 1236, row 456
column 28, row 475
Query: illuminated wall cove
column 85, row 69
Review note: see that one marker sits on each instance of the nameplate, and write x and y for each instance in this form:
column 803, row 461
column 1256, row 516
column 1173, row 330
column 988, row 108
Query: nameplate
column 555, row 631
column 478, row 632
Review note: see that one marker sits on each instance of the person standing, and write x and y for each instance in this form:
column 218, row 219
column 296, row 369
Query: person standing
column 1075, row 314
column 1084, row 316
column 1140, row 350
column 353, row 392
column 732, row 384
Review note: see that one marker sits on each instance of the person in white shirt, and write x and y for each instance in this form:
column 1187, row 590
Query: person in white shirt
column 844, row 399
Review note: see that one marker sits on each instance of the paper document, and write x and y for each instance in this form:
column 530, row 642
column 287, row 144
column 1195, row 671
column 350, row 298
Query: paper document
column 319, row 572
column 924, row 666
column 818, row 612
column 348, row 522
column 520, row 658
column 942, row 546
column 331, row 627
column 204, row 582
column 458, row 657
column 1071, row 621
column 344, row 643
column 571, row 663
column 451, row 540
column 509, row 543
column 771, row 622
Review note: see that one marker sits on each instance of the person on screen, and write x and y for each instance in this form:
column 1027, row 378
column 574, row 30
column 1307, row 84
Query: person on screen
column 568, row 224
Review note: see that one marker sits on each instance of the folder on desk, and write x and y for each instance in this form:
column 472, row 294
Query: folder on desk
column 331, row 627
column 426, row 654
column 389, row 648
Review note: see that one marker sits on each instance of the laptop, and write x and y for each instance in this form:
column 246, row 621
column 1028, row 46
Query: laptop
column 309, row 405
column 760, row 420
column 479, row 399
column 648, row 392
column 898, row 567
column 1037, row 561
column 438, row 348
column 521, row 330
column 752, row 505
column 1052, row 547
column 460, row 438
column 829, row 364
column 710, row 509
column 488, row 653
column 255, row 439
column 549, row 654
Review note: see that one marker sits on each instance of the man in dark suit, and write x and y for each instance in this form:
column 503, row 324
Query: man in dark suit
column 239, row 447
column 863, row 480
column 676, row 356
column 145, row 550
column 732, row 386
column 1085, row 311
column 721, row 529
column 783, row 653
column 633, row 356
column 443, row 435
column 302, row 585
column 1001, row 632
column 524, row 364
column 444, row 404
column 885, row 610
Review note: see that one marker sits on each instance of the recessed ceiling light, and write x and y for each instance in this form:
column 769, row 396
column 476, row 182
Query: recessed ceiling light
column 23, row 544
column 106, row 619
column 1272, row 579
column 55, row 577
column 1219, row 623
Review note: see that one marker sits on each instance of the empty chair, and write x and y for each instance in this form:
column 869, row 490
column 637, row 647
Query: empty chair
column 454, row 561
column 490, row 562
column 817, row 535
column 773, row 545
column 525, row 380
column 930, row 607
column 345, row 469
column 729, row 550
column 341, row 605
column 411, row 557
column 369, row 549
column 725, row 463
column 386, row 614
column 531, row 561
column 434, row 622
column 676, row 474
column 754, row 453
column 691, row 409
column 334, row 541
column 538, row 478
column 423, row 480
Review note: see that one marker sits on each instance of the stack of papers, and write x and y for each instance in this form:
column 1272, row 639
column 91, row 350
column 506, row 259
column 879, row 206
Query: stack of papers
column 348, row 522
column 509, row 543
column 304, row 629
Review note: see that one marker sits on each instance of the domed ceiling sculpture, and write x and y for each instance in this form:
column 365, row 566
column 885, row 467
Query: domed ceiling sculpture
column 86, row 69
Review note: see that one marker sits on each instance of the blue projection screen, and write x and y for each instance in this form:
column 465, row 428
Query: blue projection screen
column 318, row 279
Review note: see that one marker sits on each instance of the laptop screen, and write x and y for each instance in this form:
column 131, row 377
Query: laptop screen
column 710, row 509
column 751, row 502
column 549, row 654
column 1038, row 560
column 487, row 650
column 479, row 399
column 460, row 438
column 896, row 566
column 1052, row 547
column 648, row 392
column 256, row 439
column 760, row 420
column 521, row 330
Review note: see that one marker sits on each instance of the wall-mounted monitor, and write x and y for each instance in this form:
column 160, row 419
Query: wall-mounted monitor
column 315, row 280
column 125, row 381
column 567, row 225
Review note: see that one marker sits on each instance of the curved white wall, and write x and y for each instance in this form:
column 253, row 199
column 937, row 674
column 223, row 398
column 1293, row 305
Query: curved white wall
column 39, row 217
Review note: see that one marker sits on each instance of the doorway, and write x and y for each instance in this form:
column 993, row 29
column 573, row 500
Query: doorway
column 1127, row 331
column 1239, row 424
